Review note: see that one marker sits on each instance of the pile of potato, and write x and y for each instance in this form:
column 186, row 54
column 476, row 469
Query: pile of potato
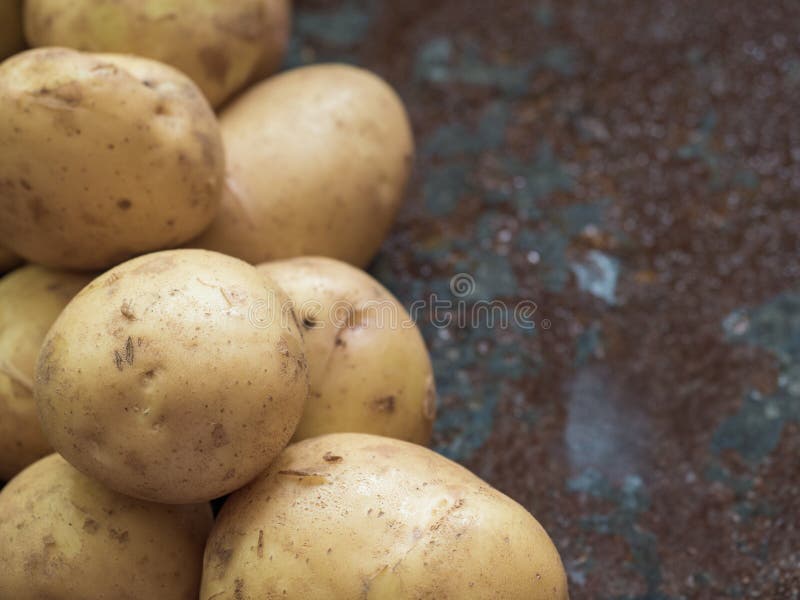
column 193, row 322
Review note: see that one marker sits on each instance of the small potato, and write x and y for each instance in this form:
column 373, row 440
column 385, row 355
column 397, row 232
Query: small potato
column 31, row 298
column 175, row 377
column 102, row 157
column 8, row 260
column 221, row 46
column 369, row 370
column 362, row 516
column 66, row 537
column 11, row 39
column 318, row 162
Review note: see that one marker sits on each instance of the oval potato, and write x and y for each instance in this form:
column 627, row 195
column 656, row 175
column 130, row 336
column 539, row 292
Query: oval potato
column 221, row 46
column 31, row 298
column 352, row 515
column 369, row 370
column 102, row 157
column 159, row 380
column 318, row 162
column 65, row 536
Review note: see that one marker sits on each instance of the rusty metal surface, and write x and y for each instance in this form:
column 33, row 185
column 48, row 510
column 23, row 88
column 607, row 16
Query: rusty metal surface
column 633, row 168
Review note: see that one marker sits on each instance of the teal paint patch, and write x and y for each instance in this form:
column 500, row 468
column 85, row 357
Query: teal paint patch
column 346, row 25
column 573, row 219
column 544, row 15
column 457, row 140
column 494, row 277
column 755, row 430
column 444, row 187
column 597, row 275
column 551, row 244
column 589, row 344
column 724, row 173
column 438, row 62
column 545, row 176
column 630, row 500
column 561, row 59
column 550, row 248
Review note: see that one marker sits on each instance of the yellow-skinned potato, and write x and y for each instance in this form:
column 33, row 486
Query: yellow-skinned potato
column 31, row 298
column 66, row 537
column 8, row 260
column 175, row 377
column 102, row 157
column 11, row 38
column 369, row 370
column 318, row 162
column 362, row 516
column 221, row 46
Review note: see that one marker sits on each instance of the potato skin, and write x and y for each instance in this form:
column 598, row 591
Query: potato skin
column 221, row 46
column 369, row 370
column 158, row 381
column 65, row 536
column 102, row 157
column 11, row 38
column 31, row 298
column 318, row 162
column 362, row 516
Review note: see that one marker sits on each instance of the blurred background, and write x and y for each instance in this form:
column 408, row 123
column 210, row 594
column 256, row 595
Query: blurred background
column 633, row 168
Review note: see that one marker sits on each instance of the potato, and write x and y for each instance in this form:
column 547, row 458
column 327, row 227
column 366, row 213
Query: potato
column 353, row 515
column 160, row 380
column 220, row 45
column 318, row 162
column 8, row 260
column 11, row 39
column 31, row 298
column 369, row 370
column 102, row 157
column 65, row 537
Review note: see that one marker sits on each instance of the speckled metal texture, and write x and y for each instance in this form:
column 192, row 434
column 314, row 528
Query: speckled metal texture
column 633, row 168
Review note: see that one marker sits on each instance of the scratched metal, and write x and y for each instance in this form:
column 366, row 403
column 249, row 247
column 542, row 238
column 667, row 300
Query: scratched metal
column 633, row 168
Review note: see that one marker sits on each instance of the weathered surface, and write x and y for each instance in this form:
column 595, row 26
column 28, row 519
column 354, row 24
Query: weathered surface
column 634, row 171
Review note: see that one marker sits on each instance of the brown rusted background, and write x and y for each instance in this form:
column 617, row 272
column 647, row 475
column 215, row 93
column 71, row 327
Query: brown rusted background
column 632, row 168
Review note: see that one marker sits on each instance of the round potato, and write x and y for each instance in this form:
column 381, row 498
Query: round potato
column 175, row 377
column 8, row 260
column 11, row 39
column 31, row 298
column 220, row 45
column 369, row 370
column 318, row 162
column 65, row 536
column 102, row 157
column 351, row 515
